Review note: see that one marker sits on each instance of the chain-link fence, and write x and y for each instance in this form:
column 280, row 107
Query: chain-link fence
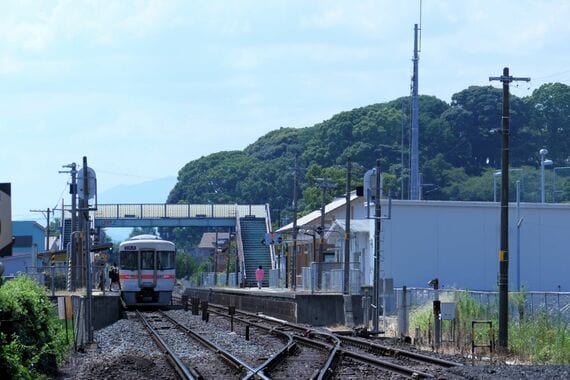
column 521, row 304
column 467, row 317
column 329, row 278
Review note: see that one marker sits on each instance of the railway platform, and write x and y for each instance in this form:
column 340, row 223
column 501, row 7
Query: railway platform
column 294, row 306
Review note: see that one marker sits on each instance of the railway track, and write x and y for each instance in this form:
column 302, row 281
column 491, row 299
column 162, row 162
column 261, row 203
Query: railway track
column 193, row 357
column 295, row 355
column 346, row 356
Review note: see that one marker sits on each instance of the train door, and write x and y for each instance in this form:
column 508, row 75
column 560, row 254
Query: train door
column 147, row 268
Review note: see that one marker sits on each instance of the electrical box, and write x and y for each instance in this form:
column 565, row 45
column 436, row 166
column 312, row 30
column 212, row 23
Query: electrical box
column 447, row 311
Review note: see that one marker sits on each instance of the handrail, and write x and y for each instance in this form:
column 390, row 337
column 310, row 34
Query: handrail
column 239, row 243
column 179, row 211
column 268, row 228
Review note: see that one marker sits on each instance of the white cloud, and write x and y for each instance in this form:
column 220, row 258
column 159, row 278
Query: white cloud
column 37, row 26
column 370, row 18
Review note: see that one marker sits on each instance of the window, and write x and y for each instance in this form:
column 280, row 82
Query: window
column 147, row 260
column 128, row 260
column 165, row 260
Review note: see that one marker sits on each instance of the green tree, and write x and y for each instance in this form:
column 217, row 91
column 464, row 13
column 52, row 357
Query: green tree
column 550, row 116
column 31, row 339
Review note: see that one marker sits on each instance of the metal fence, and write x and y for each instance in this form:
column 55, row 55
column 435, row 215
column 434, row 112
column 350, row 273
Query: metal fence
column 57, row 278
column 521, row 305
column 220, row 279
column 329, row 278
column 158, row 211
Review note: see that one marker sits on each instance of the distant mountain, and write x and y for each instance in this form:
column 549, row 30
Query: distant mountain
column 146, row 192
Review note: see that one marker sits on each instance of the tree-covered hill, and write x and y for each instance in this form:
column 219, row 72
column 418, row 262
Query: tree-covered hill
column 460, row 148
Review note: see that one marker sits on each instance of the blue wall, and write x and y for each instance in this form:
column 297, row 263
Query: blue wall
column 458, row 242
column 29, row 228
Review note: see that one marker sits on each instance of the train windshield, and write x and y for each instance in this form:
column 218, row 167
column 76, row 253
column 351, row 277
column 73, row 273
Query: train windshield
column 128, row 260
column 165, row 260
column 147, row 259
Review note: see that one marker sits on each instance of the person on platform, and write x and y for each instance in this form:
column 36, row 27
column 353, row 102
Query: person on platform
column 114, row 276
column 102, row 279
column 259, row 273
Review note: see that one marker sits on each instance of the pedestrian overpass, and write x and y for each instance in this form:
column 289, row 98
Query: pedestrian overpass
column 250, row 222
column 176, row 215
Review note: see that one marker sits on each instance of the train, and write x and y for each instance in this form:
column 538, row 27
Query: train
column 147, row 270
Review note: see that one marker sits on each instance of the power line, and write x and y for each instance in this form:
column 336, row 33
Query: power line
column 554, row 75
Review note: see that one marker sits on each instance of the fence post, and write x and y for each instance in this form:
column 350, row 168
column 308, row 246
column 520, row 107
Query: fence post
column 403, row 320
column 52, row 280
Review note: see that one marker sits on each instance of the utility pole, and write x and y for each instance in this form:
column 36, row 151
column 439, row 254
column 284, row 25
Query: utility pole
column 377, row 231
column 294, row 252
column 346, row 282
column 73, row 259
column 87, row 241
column 506, row 79
column 402, row 156
column 324, row 183
column 415, row 155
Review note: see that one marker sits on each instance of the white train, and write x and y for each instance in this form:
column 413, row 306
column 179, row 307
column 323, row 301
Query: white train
column 147, row 266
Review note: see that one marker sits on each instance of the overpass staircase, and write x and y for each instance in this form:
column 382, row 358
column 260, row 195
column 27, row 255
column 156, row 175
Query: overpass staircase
column 255, row 253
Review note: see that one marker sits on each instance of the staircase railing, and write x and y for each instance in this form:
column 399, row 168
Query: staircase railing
column 239, row 243
column 268, row 228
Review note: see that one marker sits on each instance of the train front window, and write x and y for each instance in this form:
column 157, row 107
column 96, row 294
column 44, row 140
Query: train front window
column 128, row 260
column 147, row 259
column 166, row 260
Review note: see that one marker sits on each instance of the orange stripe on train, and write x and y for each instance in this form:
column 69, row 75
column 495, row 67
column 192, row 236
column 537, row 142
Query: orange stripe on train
column 145, row 276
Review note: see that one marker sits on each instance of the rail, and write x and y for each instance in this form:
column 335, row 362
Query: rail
column 173, row 359
column 234, row 361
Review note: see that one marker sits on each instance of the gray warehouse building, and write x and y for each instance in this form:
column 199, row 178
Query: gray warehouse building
column 458, row 242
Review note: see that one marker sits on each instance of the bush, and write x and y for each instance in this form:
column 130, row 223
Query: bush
column 542, row 339
column 31, row 338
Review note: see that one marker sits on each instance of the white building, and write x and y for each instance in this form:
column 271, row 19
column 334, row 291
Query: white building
column 456, row 242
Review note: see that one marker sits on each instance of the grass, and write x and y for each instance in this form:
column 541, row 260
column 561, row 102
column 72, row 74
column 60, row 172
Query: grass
column 543, row 339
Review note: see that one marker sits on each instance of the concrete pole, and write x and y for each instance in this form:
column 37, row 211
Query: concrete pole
column 294, row 251
column 519, row 223
column 377, row 232
column 47, row 231
column 543, row 152
column 346, row 282
column 87, row 239
column 75, row 262
column 415, row 155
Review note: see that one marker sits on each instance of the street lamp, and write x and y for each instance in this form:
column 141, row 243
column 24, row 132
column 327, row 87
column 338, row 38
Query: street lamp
column 495, row 175
column 499, row 173
column 543, row 152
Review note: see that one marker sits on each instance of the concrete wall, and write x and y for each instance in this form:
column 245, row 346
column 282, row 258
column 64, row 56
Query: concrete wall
column 16, row 264
column 458, row 242
column 106, row 310
column 279, row 307
column 317, row 310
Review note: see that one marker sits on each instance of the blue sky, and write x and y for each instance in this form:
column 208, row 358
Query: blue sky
column 143, row 87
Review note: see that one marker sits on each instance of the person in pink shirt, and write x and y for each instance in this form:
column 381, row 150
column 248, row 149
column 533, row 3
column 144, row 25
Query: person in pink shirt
column 259, row 273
